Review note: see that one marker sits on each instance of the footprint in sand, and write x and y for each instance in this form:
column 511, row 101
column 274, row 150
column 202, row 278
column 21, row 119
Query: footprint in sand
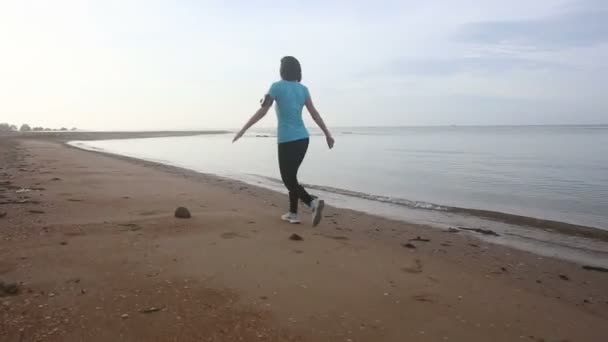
column 232, row 235
column 333, row 237
column 417, row 268
column 149, row 213
column 425, row 298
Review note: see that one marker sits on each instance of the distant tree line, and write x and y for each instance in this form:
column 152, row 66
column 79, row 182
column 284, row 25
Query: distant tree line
column 5, row 127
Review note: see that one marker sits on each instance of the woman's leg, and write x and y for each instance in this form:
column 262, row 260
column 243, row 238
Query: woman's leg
column 291, row 155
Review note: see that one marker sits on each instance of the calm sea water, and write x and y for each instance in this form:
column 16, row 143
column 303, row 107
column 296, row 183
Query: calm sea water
column 558, row 173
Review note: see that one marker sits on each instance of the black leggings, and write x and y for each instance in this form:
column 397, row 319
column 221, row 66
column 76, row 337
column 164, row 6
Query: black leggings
column 291, row 155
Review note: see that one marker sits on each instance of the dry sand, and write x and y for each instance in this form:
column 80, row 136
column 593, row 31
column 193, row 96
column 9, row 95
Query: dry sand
column 98, row 256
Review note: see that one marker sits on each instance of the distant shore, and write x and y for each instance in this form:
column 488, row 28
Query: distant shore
column 78, row 135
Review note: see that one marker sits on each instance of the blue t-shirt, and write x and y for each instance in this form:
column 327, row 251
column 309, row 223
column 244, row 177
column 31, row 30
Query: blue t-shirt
column 289, row 97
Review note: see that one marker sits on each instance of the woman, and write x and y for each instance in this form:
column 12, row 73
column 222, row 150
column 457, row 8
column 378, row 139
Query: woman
column 293, row 138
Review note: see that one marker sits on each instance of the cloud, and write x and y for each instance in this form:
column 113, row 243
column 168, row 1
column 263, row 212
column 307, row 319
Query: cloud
column 575, row 29
column 488, row 63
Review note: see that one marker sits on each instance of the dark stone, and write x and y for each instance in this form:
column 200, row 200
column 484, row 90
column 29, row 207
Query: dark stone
column 418, row 238
column 296, row 237
column 182, row 212
column 564, row 277
column 585, row 267
column 2, row 214
column 8, row 289
column 408, row 245
column 480, row 231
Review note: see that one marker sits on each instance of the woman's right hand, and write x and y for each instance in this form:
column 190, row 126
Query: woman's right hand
column 330, row 141
column 238, row 136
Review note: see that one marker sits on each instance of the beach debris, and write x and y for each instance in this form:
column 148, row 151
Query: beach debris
column 296, row 237
column 74, row 200
column 480, row 231
column 21, row 201
column 56, row 179
column 151, row 310
column 2, row 214
column 123, row 316
column 418, row 238
column 36, row 211
column 408, row 245
column 63, row 243
column 423, row 298
column 564, row 277
column 585, row 267
column 8, row 289
column 335, row 237
column 131, row 226
column 22, row 190
column 182, row 212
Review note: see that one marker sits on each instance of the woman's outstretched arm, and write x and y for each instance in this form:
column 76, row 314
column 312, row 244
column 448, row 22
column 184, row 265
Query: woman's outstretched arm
column 319, row 121
column 259, row 114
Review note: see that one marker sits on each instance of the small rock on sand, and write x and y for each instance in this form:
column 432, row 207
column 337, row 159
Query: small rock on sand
column 182, row 212
column 585, row 267
column 8, row 289
column 2, row 214
column 418, row 238
column 296, row 237
column 564, row 277
column 408, row 245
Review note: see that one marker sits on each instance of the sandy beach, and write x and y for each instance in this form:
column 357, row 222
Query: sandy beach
column 93, row 246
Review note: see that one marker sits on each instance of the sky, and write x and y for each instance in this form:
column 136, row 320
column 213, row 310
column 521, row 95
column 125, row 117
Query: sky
column 154, row 64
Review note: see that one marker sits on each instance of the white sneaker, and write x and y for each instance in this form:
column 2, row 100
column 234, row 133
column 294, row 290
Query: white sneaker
column 291, row 218
column 317, row 206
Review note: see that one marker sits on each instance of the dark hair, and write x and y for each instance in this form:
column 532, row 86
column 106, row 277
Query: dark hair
column 291, row 69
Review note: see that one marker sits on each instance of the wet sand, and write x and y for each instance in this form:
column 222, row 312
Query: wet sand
column 97, row 254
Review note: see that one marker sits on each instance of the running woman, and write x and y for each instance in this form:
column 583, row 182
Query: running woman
column 293, row 138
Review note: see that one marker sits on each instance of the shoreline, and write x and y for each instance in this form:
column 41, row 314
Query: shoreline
column 97, row 244
column 554, row 241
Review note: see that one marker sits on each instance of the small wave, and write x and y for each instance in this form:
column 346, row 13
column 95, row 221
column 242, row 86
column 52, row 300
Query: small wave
column 380, row 198
column 377, row 198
